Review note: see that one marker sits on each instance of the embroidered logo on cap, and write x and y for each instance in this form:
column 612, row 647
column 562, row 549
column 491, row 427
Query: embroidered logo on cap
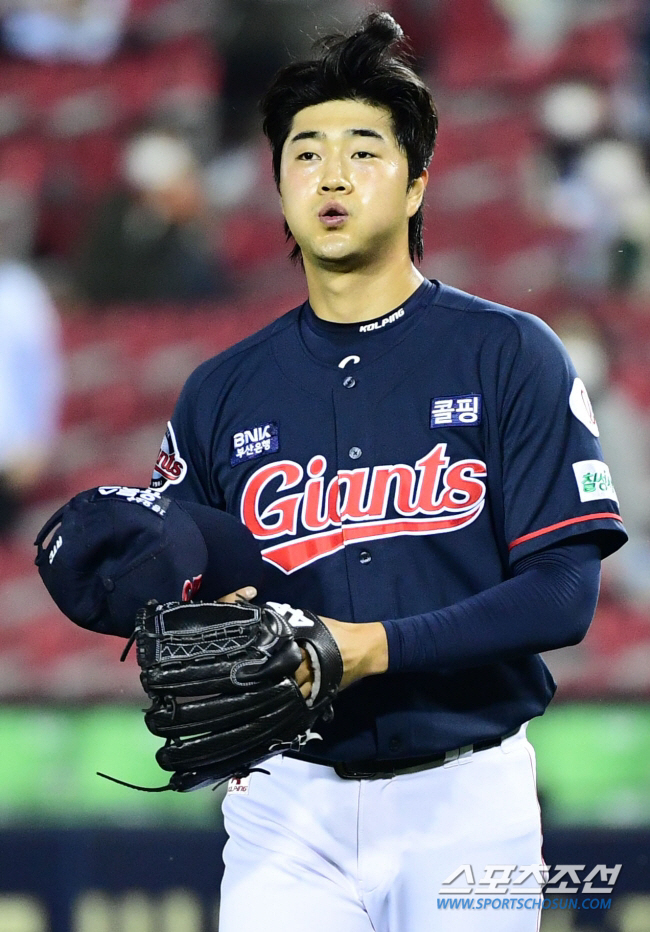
column 54, row 549
column 456, row 411
column 254, row 442
column 148, row 498
column 191, row 587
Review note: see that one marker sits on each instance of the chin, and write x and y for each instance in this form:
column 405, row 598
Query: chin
column 344, row 261
column 333, row 254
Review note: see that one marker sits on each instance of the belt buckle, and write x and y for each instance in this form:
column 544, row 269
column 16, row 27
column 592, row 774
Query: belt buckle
column 344, row 771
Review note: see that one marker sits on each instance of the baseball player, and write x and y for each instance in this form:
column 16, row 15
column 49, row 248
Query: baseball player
column 421, row 468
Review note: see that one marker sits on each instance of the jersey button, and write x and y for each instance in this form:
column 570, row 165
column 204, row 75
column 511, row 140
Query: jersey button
column 349, row 382
column 354, row 453
column 394, row 744
column 365, row 556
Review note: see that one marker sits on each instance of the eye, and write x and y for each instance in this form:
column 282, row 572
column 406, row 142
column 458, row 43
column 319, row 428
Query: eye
column 362, row 154
column 307, row 156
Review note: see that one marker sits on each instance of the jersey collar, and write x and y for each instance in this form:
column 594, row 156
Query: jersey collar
column 399, row 350
column 368, row 328
column 327, row 342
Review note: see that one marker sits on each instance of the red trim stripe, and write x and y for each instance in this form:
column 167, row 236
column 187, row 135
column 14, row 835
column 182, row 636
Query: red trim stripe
column 555, row 527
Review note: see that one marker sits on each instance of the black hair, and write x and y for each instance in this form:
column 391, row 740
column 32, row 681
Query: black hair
column 361, row 66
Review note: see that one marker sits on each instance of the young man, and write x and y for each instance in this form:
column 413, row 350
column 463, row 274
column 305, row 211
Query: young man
column 421, row 468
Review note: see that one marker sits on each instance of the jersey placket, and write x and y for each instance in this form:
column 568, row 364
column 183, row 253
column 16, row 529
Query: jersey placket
column 355, row 450
column 355, row 459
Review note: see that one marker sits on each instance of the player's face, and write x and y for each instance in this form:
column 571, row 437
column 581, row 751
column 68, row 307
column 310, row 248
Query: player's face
column 344, row 185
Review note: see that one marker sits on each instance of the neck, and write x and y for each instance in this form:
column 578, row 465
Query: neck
column 361, row 294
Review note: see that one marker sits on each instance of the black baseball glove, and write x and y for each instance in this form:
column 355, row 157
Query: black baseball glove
column 220, row 679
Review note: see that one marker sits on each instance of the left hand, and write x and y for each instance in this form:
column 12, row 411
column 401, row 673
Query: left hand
column 364, row 649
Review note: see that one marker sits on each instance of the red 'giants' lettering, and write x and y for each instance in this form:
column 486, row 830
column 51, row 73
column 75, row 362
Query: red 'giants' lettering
column 431, row 498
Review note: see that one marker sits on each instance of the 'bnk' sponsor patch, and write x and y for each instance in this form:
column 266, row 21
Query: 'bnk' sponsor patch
column 254, row 442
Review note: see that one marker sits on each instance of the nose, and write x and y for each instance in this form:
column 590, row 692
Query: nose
column 333, row 179
column 341, row 185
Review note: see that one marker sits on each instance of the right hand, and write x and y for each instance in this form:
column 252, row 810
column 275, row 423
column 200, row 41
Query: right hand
column 304, row 674
column 248, row 593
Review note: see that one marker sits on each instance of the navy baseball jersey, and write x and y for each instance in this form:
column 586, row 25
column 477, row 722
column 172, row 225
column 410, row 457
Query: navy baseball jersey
column 393, row 467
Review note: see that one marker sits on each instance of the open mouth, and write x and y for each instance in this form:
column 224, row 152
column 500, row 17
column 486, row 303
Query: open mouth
column 332, row 215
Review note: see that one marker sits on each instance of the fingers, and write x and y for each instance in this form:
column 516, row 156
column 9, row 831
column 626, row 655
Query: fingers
column 247, row 593
column 304, row 675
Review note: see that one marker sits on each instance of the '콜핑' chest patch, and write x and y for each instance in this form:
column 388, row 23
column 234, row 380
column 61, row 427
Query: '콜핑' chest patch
column 456, row 411
column 253, row 442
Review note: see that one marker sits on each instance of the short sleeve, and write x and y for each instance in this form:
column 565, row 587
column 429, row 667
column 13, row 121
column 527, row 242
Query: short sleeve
column 182, row 467
column 556, row 484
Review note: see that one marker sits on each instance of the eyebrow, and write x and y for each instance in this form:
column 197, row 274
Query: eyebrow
column 316, row 134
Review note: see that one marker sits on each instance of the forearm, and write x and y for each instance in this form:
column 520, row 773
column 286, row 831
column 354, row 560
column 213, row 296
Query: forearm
column 548, row 604
column 364, row 648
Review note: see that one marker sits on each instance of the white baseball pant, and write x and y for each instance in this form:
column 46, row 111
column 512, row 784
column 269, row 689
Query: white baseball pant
column 308, row 850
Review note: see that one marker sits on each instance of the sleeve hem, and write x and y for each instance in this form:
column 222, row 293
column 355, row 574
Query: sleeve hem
column 394, row 645
column 607, row 521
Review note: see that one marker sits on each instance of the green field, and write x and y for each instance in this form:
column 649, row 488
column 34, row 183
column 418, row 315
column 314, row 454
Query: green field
column 593, row 766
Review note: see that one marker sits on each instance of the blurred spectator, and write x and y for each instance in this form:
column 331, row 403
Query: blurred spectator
column 87, row 31
column 643, row 47
column 155, row 21
column 30, row 385
column 539, row 25
column 604, row 200
column 572, row 112
column 257, row 37
column 597, row 188
column 150, row 242
column 625, row 438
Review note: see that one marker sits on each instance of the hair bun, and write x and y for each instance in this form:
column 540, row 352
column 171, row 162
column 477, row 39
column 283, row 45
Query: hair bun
column 382, row 26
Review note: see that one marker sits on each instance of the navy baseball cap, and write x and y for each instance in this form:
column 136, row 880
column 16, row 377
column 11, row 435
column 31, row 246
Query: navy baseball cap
column 114, row 548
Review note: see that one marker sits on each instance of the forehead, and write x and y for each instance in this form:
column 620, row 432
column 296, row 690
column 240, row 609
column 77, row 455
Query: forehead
column 339, row 117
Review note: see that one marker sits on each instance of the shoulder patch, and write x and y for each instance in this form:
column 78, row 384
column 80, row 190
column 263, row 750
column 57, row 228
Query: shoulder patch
column 253, row 442
column 581, row 406
column 170, row 468
column 594, row 481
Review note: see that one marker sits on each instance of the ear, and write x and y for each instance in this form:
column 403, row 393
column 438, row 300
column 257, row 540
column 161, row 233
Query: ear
column 415, row 193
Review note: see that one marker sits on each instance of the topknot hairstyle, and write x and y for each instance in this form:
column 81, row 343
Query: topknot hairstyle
column 364, row 66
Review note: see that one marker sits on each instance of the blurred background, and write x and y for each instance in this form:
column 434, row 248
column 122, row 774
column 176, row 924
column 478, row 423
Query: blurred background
column 140, row 233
